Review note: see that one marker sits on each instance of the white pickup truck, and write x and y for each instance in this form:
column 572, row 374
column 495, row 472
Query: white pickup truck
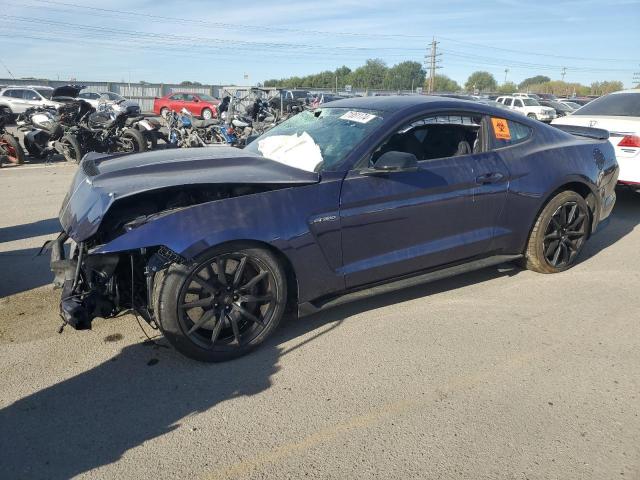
column 529, row 107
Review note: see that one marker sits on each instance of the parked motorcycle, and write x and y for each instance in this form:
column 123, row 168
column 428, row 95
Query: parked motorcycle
column 10, row 149
column 109, row 131
column 184, row 131
column 44, row 135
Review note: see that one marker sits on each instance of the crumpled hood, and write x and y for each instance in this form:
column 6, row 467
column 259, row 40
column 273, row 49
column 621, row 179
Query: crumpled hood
column 102, row 180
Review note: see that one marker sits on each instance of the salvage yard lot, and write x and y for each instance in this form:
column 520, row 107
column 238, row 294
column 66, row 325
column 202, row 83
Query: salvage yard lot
column 500, row 373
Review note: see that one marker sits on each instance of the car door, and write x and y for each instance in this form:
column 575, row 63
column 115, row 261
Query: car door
column 31, row 98
column 17, row 102
column 444, row 212
column 176, row 102
column 192, row 103
column 518, row 105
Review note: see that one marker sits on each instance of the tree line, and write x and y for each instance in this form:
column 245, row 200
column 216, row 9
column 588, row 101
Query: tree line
column 376, row 75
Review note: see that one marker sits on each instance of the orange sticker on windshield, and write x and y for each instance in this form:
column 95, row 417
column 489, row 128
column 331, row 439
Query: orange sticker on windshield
column 501, row 128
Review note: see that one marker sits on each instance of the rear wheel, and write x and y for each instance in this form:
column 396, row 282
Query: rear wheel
column 532, row 116
column 132, row 141
column 223, row 307
column 11, row 149
column 71, row 148
column 559, row 234
column 207, row 114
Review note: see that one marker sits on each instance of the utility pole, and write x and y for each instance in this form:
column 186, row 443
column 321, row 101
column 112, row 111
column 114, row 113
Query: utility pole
column 636, row 79
column 564, row 72
column 506, row 71
column 432, row 57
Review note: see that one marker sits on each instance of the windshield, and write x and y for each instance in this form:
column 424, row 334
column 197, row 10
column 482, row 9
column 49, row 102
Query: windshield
column 573, row 105
column 316, row 140
column 530, row 102
column 297, row 95
column 45, row 92
column 617, row 104
column 206, row 98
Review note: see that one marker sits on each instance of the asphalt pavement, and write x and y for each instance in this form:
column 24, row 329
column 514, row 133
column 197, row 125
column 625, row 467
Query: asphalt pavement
column 497, row 374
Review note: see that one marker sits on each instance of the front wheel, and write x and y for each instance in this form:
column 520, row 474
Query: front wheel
column 533, row 116
column 11, row 149
column 224, row 306
column 71, row 148
column 559, row 234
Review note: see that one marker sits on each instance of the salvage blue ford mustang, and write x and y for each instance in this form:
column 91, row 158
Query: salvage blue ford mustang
column 358, row 197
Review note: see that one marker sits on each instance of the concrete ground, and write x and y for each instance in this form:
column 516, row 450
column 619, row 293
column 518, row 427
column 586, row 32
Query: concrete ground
column 498, row 374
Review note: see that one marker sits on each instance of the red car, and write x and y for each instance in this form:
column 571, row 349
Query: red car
column 199, row 104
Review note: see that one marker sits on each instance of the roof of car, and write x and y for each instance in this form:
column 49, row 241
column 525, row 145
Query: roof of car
column 629, row 90
column 395, row 103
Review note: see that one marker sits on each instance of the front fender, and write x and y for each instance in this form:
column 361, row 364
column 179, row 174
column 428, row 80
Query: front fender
column 284, row 219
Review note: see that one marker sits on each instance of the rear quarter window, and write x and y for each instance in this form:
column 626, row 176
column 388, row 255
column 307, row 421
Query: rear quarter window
column 505, row 133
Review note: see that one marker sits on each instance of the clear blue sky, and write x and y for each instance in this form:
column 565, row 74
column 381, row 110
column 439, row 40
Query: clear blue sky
column 220, row 42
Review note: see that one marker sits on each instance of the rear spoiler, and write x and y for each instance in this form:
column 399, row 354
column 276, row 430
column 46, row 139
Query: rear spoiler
column 596, row 133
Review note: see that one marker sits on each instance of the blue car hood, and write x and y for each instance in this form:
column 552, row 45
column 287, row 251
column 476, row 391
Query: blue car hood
column 101, row 180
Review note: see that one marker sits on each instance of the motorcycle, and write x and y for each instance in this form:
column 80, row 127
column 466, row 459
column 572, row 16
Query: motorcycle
column 109, row 131
column 184, row 131
column 45, row 135
column 10, row 149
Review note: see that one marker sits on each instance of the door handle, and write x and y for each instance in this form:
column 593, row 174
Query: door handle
column 489, row 178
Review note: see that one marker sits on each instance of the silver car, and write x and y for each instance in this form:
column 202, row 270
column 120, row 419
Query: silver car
column 20, row 98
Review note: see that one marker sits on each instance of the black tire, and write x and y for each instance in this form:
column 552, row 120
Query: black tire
column 139, row 143
column 559, row 234
column 207, row 114
column 532, row 116
column 11, row 149
column 72, row 149
column 239, row 315
column 152, row 139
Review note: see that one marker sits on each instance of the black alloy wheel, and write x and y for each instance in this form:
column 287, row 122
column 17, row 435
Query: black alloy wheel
column 565, row 234
column 224, row 306
column 558, row 234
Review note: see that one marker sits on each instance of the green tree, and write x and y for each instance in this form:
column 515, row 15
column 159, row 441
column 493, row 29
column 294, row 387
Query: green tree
column 607, row 86
column 442, row 83
column 507, row 88
column 527, row 82
column 404, row 76
column 481, row 81
column 370, row 75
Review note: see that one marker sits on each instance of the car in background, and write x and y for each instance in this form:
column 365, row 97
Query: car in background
column 560, row 108
column 577, row 100
column 290, row 100
column 199, row 104
column 546, row 96
column 529, row 107
column 574, row 106
column 114, row 100
column 491, row 103
column 18, row 98
column 535, row 96
column 618, row 112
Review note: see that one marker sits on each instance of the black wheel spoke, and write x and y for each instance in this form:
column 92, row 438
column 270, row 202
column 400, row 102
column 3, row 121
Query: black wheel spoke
column 205, row 284
column 206, row 316
column 256, row 298
column 235, row 328
column 254, row 281
column 572, row 213
column 577, row 222
column 218, row 327
column 556, row 255
column 247, row 314
column 555, row 235
column 551, row 248
column 203, row 302
column 239, row 271
column 221, row 263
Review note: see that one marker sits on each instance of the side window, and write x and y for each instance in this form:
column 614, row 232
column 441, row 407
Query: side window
column 177, row 96
column 188, row 97
column 518, row 103
column 436, row 136
column 508, row 101
column 17, row 94
column 505, row 133
column 30, row 95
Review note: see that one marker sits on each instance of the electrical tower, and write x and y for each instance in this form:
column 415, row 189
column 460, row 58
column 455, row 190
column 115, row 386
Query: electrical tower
column 564, row 72
column 431, row 61
column 506, row 72
column 636, row 79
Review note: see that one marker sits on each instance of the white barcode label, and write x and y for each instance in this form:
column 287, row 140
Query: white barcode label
column 360, row 117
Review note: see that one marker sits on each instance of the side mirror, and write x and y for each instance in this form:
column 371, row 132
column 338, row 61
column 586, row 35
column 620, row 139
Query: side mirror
column 196, row 100
column 394, row 161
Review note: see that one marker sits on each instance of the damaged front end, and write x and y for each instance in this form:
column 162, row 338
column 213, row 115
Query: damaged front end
column 104, row 285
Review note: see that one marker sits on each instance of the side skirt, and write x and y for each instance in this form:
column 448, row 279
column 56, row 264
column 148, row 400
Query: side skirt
column 308, row 308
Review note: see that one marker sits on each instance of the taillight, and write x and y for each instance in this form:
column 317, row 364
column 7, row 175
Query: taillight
column 630, row 141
